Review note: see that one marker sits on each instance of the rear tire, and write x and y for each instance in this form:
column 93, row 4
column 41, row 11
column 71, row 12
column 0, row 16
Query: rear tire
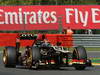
column 9, row 56
column 80, row 54
column 36, row 57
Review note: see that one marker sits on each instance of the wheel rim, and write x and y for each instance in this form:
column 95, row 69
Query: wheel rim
column 29, row 60
column 36, row 65
column 5, row 57
column 75, row 54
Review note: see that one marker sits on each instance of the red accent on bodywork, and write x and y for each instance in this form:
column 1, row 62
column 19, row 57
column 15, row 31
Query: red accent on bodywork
column 66, row 40
column 75, row 60
column 9, row 39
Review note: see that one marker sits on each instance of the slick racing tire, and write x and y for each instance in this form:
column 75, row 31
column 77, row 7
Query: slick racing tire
column 80, row 54
column 9, row 56
column 36, row 56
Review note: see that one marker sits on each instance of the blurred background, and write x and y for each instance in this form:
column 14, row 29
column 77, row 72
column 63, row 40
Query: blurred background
column 53, row 2
column 49, row 2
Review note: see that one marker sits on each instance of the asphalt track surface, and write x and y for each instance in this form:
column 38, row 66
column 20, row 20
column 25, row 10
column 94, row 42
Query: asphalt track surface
column 63, row 71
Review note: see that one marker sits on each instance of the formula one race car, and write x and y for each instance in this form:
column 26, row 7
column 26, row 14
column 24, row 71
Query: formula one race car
column 45, row 50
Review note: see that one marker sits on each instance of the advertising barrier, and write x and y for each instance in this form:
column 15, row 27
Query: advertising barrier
column 49, row 17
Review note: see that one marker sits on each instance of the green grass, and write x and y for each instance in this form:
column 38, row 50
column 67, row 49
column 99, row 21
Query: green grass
column 93, row 49
column 70, row 49
column 95, row 60
column 88, row 49
column 1, row 48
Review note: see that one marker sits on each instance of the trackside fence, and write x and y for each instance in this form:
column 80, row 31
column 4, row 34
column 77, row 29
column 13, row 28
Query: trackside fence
column 87, row 40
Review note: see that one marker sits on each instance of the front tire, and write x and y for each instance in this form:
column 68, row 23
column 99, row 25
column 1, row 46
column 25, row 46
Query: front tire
column 80, row 54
